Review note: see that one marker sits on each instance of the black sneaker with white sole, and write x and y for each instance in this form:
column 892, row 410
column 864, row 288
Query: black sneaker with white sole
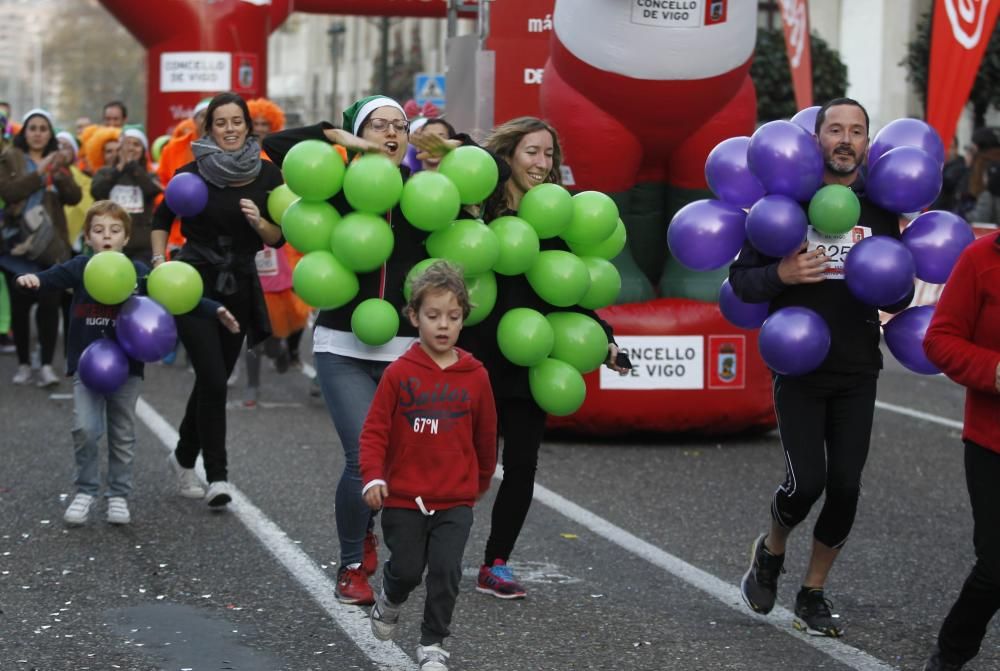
column 759, row 586
column 813, row 615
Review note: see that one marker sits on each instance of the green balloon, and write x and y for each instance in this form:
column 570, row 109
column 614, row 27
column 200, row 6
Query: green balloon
column 548, row 208
column 472, row 170
column 594, row 218
column 307, row 225
column 156, row 149
column 278, row 202
column 375, row 321
column 525, row 336
column 373, row 184
column 109, row 277
column 314, row 170
column 579, row 340
column 557, row 387
column 558, row 277
column 605, row 283
column 834, row 209
column 430, row 200
column 175, row 285
column 416, row 271
column 608, row 248
column 469, row 243
column 323, row 282
column 362, row 242
column 519, row 245
column 483, row 296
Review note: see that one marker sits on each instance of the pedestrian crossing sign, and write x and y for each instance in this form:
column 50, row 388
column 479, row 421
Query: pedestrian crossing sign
column 429, row 88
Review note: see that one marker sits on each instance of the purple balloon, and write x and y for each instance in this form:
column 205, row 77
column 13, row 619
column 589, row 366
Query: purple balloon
column 737, row 311
column 411, row 161
column 103, row 366
column 728, row 174
column 186, row 194
column 776, row 225
column 936, row 239
column 905, row 179
column 786, row 159
column 706, row 234
column 879, row 270
column 904, row 335
column 807, row 118
column 907, row 133
column 145, row 330
column 794, row 341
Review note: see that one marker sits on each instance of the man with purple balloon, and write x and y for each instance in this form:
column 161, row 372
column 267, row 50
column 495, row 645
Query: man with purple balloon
column 111, row 334
column 822, row 343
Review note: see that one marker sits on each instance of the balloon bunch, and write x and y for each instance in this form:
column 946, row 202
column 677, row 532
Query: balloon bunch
column 780, row 168
column 145, row 329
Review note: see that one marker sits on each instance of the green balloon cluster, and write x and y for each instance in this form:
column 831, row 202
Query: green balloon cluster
column 430, row 200
column 519, row 245
column 594, row 219
column 469, row 243
column 548, row 208
column 608, row 248
column 834, row 209
column 324, row 282
column 308, row 225
column 560, row 278
column 473, row 171
column 314, row 170
column 373, row 184
column 525, row 336
column 175, row 285
column 605, row 283
column 109, row 277
column 361, row 241
column 375, row 322
column 278, row 202
column 557, row 387
column 579, row 340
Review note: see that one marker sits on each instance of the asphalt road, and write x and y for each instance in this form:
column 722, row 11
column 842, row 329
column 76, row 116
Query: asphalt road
column 631, row 553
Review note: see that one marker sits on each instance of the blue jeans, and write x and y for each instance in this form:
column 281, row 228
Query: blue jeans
column 348, row 386
column 91, row 412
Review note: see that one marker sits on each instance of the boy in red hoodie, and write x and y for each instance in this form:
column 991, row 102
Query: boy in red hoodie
column 428, row 451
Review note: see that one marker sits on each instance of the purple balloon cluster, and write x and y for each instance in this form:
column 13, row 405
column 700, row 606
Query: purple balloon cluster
column 144, row 330
column 905, row 162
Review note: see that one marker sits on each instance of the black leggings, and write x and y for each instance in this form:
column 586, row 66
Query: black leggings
column 522, row 425
column 214, row 352
column 825, row 428
column 46, row 320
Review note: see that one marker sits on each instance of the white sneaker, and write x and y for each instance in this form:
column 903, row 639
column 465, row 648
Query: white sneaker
column 218, row 495
column 47, row 377
column 118, row 510
column 79, row 510
column 188, row 484
column 432, row 658
column 23, row 374
column 384, row 617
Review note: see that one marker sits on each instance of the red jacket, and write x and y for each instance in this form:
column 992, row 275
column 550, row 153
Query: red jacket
column 963, row 339
column 431, row 433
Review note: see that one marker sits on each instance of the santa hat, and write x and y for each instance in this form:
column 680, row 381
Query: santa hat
column 66, row 135
column 202, row 105
column 139, row 135
column 356, row 114
column 37, row 111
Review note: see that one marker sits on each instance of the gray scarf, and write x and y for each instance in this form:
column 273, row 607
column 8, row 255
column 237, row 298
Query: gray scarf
column 225, row 168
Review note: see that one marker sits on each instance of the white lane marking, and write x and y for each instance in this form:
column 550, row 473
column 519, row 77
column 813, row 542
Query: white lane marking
column 352, row 619
column 780, row 618
column 917, row 414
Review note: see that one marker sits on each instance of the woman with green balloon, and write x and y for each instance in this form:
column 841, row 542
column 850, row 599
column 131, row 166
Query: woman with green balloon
column 222, row 240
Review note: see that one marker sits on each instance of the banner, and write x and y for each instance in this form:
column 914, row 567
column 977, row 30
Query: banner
column 959, row 35
column 519, row 35
column 795, row 19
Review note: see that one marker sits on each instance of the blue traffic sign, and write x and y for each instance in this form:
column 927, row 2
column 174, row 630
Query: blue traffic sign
column 429, row 88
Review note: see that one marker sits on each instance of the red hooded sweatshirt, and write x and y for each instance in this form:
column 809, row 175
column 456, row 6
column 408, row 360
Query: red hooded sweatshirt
column 431, row 432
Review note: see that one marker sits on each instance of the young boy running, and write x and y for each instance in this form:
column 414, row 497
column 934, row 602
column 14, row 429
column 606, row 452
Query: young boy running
column 428, row 451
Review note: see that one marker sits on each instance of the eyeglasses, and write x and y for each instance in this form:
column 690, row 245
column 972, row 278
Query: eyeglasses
column 382, row 125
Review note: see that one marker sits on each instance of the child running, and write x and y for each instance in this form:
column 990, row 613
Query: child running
column 428, row 451
column 106, row 227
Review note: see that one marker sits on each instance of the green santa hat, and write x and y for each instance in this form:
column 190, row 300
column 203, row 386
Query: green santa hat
column 356, row 114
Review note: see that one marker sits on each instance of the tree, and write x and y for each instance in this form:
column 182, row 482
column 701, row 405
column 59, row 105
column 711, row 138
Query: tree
column 772, row 75
column 985, row 90
column 96, row 60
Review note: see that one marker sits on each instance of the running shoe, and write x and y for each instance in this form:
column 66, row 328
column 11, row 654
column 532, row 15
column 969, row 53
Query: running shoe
column 79, row 510
column 23, row 374
column 353, row 588
column 47, row 377
column 188, row 484
column 813, row 616
column 759, row 586
column 369, row 561
column 218, row 495
column 498, row 580
column 118, row 510
column 432, row 658
column 385, row 617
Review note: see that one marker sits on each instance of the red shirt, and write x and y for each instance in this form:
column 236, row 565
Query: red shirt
column 431, row 432
column 963, row 339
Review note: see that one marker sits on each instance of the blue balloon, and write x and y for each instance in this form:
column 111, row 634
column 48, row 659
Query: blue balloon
column 186, row 194
column 706, row 234
column 794, row 341
column 879, row 271
column 786, row 159
column 807, row 118
column 936, row 239
column 776, row 225
column 738, row 312
column 905, row 179
column 907, row 133
column 728, row 174
column 904, row 336
column 103, row 366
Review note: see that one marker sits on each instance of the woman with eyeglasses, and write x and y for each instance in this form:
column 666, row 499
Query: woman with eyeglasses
column 347, row 369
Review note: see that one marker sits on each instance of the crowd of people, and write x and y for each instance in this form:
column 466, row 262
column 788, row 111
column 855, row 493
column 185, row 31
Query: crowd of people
column 68, row 195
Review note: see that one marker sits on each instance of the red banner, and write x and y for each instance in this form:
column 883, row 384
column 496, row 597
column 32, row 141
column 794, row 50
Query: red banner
column 795, row 19
column 959, row 36
column 519, row 35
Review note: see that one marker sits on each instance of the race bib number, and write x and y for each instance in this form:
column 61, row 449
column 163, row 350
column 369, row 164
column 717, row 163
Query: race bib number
column 267, row 262
column 836, row 247
column 129, row 197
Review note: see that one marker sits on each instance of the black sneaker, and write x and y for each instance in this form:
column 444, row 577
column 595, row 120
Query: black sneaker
column 759, row 586
column 813, row 616
column 937, row 662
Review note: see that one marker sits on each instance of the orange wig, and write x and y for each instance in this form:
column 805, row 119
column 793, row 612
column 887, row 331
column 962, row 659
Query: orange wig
column 94, row 147
column 262, row 107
